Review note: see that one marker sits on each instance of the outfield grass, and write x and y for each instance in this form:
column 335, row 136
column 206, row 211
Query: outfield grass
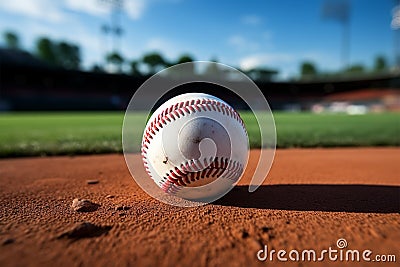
column 31, row 134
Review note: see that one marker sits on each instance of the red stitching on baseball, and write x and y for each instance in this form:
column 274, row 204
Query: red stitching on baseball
column 169, row 187
column 200, row 104
column 180, row 177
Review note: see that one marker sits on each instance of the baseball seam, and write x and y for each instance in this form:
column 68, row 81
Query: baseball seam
column 193, row 170
column 186, row 108
column 182, row 176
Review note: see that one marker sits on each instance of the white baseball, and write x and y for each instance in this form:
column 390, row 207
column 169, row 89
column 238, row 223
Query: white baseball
column 195, row 146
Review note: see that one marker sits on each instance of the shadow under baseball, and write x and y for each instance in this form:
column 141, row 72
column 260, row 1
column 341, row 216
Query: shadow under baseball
column 315, row 197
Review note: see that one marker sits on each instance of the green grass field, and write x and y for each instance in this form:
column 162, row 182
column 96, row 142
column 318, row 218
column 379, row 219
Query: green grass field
column 32, row 134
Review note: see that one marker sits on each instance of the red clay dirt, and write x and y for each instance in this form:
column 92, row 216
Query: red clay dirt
column 311, row 198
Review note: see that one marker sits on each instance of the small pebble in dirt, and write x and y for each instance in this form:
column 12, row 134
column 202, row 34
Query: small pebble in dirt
column 8, row 241
column 84, row 230
column 110, row 196
column 265, row 229
column 92, row 181
column 122, row 208
column 84, row 205
column 245, row 234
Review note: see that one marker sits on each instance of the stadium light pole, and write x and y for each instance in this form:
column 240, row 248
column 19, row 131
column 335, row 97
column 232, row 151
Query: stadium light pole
column 114, row 28
column 340, row 11
column 395, row 25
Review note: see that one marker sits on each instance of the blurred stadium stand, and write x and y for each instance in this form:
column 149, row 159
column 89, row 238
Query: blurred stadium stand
column 27, row 83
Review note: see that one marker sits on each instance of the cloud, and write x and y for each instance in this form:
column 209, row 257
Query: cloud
column 241, row 43
column 47, row 10
column 285, row 63
column 270, row 59
column 252, row 20
column 133, row 8
column 50, row 10
column 288, row 63
column 92, row 7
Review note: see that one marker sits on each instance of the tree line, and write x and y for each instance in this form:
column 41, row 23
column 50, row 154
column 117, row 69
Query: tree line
column 68, row 55
column 309, row 70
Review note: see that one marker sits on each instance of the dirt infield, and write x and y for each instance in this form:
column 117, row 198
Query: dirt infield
column 312, row 198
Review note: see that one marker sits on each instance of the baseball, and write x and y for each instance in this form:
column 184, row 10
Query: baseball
column 195, row 146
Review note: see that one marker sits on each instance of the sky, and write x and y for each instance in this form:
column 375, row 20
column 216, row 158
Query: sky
column 267, row 33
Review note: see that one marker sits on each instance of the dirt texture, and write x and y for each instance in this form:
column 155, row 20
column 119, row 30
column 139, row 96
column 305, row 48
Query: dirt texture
column 311, row 198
